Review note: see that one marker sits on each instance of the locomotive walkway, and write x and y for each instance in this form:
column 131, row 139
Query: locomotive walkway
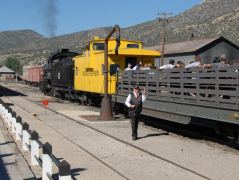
column 104, row 150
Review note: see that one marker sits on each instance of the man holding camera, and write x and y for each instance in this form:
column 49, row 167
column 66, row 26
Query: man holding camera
column 134, row 102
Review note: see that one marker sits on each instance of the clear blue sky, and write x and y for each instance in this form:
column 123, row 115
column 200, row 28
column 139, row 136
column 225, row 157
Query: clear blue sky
column 77, row 15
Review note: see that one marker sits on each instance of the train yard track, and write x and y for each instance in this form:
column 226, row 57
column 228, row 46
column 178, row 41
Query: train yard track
column 13, row 93
column 191, row 131
column 164, row 126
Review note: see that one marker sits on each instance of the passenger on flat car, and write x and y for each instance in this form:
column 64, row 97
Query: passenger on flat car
column 216, row 60
column 222, row 62
column 138, row 66
column 196, row 63
column 170, row 65
column 146, row 67
column 129, row 67
column 179, row 65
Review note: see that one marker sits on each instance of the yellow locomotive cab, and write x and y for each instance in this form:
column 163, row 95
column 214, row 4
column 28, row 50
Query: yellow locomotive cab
column 89, row 66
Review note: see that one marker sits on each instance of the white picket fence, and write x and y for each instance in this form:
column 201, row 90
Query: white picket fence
column 31, row 143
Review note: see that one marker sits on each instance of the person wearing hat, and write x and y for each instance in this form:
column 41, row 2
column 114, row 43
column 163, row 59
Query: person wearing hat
column 134, row 102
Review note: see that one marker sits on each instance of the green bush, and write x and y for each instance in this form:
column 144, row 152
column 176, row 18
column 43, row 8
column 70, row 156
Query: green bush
column 13, row 64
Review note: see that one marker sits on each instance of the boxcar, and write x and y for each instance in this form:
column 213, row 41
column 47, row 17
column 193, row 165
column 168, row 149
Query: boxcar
column 32, row 74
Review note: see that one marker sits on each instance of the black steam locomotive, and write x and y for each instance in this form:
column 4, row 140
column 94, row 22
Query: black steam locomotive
column 58, row 75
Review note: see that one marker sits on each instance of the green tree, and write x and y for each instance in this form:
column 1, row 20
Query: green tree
column 13, row 64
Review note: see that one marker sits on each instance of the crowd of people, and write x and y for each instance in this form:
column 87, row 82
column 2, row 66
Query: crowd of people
column 217, row 62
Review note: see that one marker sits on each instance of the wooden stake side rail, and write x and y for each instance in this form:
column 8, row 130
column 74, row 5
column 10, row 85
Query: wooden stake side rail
column 180, row 94
column 204, row 87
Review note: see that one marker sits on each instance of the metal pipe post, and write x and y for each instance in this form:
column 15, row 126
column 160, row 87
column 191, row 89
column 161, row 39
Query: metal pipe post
column 106, row 106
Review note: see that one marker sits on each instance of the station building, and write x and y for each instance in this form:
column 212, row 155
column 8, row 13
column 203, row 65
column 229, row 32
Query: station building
column 6, row 74
column 207, row 49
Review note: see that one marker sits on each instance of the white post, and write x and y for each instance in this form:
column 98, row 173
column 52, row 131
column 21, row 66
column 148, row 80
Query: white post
column 4, row 113
column 1, row 110
column 13, row 125
column 46, row 166
column 25, row 137
column 34, row 148
column 64, row 171
column 12, row 119
column 18, row 128
column 8, row 118
column 18, row 132
column 46, row 161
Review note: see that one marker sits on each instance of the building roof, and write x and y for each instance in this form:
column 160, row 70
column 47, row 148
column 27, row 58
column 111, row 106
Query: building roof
column 188, row 46
column 6, row 70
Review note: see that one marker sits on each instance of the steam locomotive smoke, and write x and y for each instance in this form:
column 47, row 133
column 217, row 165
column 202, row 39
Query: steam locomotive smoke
column 50, row 13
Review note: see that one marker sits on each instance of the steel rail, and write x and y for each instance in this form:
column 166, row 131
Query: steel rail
column 115, row 138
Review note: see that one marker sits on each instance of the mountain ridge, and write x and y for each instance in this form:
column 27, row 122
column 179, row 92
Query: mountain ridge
column 210, row 18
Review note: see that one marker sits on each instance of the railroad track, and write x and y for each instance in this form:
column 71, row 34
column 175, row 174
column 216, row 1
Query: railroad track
column 191, row 131
column 10, row 92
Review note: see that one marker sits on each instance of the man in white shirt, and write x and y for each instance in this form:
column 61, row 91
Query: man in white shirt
column 196, row 63
column 138, row 66
column 168, row 66
column 134, row 102
column 129, row 67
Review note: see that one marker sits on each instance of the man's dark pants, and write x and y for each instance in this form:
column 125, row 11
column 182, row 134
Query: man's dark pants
column 134, row 123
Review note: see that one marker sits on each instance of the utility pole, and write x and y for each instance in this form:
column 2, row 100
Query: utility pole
column 163, row 17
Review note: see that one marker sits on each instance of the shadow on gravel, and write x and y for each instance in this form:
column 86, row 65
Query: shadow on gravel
column 3, row 171
column 6, row 155
column 11, row 163
column 153, row 135
column 9, row 104
column 74, row 172
column 191, row 131
column 7, row 142
column 9, row 92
